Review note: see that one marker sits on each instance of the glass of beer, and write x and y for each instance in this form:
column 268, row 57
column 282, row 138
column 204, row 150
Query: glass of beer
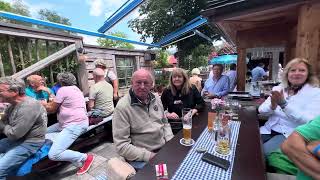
column 187, row 126
column 223, row 141
column 211, row 118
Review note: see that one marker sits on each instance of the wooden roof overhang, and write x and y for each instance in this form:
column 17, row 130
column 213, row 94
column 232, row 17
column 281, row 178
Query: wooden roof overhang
column 234, row 16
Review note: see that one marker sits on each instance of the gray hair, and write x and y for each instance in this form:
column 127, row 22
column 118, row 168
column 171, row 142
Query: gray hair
column 15, row 84
column 66, row 79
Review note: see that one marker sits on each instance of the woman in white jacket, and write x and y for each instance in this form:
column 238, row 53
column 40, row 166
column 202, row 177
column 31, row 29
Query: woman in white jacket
column 294, row 102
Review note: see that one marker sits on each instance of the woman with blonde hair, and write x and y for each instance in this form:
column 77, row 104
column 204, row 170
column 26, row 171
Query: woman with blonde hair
column 293, row 103
column 180, row 94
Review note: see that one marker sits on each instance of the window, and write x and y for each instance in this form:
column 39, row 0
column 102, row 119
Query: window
column 125, row 68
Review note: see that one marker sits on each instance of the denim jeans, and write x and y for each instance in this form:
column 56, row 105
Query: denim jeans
column 272, row 143
column 62, row 140
column 13, row 154
column 137, row 165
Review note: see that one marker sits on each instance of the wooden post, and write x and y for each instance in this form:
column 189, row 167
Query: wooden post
column 29, row 50
column 308, row 34
column 1, row 67
column 60, row 63
column 37, row 50
column 241, row 69
column 82, row 73
column 14, row 70
column 21, row 55
column 67, row 59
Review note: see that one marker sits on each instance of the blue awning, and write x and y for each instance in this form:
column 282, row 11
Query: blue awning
column 225, row 59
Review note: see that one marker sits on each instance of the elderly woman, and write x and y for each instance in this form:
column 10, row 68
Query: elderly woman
column 293, row 103
column 180, row 94
column 72, row 122
column 195, row 79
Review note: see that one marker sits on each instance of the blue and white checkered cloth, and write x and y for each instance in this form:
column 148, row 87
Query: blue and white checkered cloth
column 193, row 167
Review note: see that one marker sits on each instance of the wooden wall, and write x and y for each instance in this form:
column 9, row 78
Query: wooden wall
column 275, row 35
column 308, row 34
column 109, row 55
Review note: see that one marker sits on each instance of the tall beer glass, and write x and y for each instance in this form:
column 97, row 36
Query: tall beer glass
column 187, row 127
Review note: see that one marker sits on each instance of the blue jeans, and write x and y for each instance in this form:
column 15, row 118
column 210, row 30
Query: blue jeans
column 273, row 143
column 137, row 165
column 13, row 154
column 62, row 140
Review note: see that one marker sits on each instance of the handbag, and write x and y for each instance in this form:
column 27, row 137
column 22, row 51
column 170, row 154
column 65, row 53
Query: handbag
column 118, row 169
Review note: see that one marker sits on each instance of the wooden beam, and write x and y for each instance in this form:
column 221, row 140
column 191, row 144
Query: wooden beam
column 82, row 72
column 29, row 42
column 21, row 54
column 45, row 62
column 241, row 69
column 14, row 70
column 1, row 66
column 37, row 50
column 23, row 31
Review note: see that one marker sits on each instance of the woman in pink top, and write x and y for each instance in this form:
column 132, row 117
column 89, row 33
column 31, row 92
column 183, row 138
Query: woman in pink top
column 72, row 122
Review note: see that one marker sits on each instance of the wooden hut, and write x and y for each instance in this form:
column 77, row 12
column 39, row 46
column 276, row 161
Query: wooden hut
column 279, row 29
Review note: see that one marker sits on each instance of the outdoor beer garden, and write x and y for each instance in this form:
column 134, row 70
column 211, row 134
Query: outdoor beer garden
column 221, row 89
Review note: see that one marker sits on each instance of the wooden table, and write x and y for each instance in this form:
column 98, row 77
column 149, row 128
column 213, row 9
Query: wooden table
column 249, row 160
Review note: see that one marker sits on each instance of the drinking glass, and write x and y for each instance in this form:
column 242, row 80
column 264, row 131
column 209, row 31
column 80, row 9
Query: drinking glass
column 187, row 127
column 211, row 119
column 223, row 140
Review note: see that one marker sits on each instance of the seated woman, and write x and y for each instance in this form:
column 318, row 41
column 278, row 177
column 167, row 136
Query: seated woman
column 180, row 94
column 293, row 103
column 72, row 122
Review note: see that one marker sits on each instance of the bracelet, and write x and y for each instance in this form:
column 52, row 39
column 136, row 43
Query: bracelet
column 283, row 104
column 315, row 151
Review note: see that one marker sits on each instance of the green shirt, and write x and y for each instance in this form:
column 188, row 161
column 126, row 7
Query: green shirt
column 310, row 132
column 102, row 94
column 37, row 95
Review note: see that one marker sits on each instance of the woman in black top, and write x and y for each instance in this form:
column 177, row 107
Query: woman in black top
column 180, row 94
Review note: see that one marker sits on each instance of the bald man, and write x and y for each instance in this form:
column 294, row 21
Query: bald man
column 36, row 88
column 139, row 125
column 100, row 96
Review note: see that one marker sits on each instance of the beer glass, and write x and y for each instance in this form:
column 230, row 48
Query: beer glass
column 187, row 126
column 223, row 140
column 211, row 118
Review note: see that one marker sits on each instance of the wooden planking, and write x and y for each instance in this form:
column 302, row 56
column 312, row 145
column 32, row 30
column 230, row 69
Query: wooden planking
column 45, row 62
column 308, row 34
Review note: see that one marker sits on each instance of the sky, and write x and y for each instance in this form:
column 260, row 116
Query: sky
column 87, row 14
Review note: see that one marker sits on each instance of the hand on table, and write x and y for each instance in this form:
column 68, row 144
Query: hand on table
column 172, row 115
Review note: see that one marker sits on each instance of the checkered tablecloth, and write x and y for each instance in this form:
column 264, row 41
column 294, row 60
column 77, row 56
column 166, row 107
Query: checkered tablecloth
column 193, row 167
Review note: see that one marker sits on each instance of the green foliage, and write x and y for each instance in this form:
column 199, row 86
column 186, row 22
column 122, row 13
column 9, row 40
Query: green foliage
column 197, row 58
column 19, row 8
column 115, row 44
column 161, row 59
column 160, row 17
column 53, row 16
column 4, row 6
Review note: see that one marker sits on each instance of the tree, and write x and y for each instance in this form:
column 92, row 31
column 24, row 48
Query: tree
column 198, row 57
column 164, row 16
column 115, row 44
column 4, row 6
column 19, row 8
column 162, row 59
column 53, row 16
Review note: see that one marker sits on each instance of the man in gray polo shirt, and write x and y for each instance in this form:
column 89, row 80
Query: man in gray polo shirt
column 24, row 123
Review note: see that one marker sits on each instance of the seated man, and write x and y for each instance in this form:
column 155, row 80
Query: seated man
column 36, row 88
column 100, row 96
column 24, row 124
column 301, row 149
column 139, row 125
column 217, row 85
